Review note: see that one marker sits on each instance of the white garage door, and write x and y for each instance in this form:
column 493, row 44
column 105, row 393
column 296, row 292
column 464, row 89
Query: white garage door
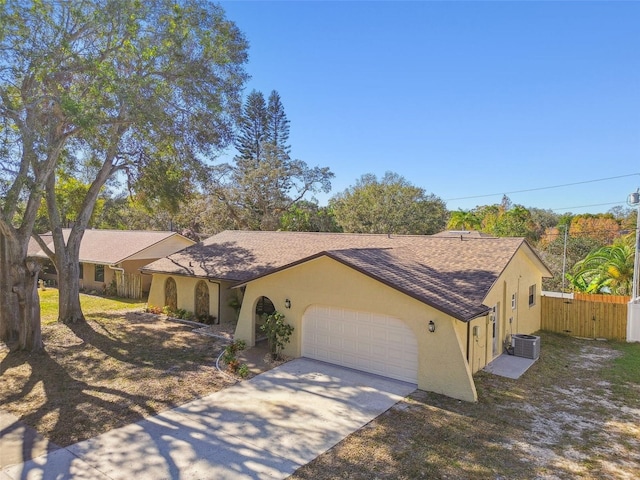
column 361, row 340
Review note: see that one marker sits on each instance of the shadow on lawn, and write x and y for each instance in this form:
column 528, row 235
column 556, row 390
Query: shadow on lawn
column 71, row 401
column 76, row 385
column 157, row 348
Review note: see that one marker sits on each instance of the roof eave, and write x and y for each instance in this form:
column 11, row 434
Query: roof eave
column 407, row 292
column 173, row 234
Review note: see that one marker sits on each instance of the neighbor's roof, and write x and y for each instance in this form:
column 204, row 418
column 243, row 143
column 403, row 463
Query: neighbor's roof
column 108, row 247
column 447, row 273
column 462, row 234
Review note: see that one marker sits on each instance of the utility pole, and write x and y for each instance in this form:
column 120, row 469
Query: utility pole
column 564, row 257
column 633, row 308
column 634, row 201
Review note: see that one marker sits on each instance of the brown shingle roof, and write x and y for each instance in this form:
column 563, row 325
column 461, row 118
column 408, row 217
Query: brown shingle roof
column 107, row 247
column 450, row 274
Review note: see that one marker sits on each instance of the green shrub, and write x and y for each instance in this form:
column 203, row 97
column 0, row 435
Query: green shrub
column 112, row 289
column 230, row 352
column 278, row 333
column 207, row 319
column 180, row 313
column 243, row 371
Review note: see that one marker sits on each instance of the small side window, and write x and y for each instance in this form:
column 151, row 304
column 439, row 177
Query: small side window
column 99, row 273
column 532, row 295
column 513, row 302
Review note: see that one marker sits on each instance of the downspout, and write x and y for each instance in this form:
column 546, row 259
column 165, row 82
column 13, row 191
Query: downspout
column 468, row 339
column 518, row 305
column 113, row 267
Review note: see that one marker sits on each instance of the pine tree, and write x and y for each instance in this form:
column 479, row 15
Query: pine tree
column 277, row 131
column 253, row 126
column 265, row 181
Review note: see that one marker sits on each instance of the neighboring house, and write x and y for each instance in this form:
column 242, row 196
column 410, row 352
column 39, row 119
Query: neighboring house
column 108, row 256
column 368, row 301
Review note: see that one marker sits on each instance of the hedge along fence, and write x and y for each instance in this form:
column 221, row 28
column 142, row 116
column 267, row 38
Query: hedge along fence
column 589, row 316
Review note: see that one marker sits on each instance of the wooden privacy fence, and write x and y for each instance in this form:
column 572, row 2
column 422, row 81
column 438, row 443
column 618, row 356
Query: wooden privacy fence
column 589, row 316
column 128, row 285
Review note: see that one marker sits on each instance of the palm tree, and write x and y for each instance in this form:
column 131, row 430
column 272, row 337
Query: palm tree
column 463, row 220
column 608, row 269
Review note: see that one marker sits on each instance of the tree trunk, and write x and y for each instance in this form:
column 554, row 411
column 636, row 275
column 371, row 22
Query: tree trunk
column 69, row 310
column 20, row 309
column 9, row 319
column 29, row 304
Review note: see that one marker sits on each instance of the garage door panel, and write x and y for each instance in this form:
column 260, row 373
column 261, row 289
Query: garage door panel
column 362, row 340
column 349, row 329
column 396, row 337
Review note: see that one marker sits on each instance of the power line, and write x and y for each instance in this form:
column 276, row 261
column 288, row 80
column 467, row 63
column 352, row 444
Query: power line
column 585, row 206
column 545, row 188
column 622, row 231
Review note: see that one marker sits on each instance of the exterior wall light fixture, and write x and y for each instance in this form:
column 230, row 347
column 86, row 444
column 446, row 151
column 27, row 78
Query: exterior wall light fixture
column 432, row 326
column 287, row 303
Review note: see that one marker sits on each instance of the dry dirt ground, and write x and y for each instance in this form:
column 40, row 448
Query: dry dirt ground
column 111, row 371
column 574, row 414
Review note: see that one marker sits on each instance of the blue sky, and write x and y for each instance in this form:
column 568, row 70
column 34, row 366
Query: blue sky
column 461, row 98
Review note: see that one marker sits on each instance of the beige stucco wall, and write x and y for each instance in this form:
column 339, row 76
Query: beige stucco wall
column 516, row 279
column 185, row 292
column 228, row 314
column 134, row 266
column 88, row 275
column 442, row 365
column 130, row 266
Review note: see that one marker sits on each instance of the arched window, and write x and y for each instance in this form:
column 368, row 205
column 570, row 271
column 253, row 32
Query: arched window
column 202, row 301
column 264, row 306
column 171, row 294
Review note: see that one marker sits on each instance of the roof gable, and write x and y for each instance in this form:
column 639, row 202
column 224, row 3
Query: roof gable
column 111, row 247
column 459, row 292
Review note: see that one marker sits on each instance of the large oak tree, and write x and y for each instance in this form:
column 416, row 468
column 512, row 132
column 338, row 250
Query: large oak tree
column 388, row 205
column 114, row 85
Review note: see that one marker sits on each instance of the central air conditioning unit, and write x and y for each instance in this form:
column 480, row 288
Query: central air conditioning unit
column 527, row 346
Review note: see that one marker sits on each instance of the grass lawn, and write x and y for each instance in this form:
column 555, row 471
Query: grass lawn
column 574, row 414
column 118, row 367
column 92, row 305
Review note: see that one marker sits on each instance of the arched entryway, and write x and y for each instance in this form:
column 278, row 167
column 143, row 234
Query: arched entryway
column 264, row 308
column 171, row 294
column 202, row 301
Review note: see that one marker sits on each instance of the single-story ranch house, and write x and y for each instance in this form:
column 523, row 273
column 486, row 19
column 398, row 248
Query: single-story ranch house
column 115, row 255
column 430, row 310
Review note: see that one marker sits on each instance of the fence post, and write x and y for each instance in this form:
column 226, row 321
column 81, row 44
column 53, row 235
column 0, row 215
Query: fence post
column 633, row 322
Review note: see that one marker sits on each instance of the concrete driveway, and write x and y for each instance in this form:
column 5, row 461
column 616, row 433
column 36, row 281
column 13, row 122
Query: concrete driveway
column 266, row 427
